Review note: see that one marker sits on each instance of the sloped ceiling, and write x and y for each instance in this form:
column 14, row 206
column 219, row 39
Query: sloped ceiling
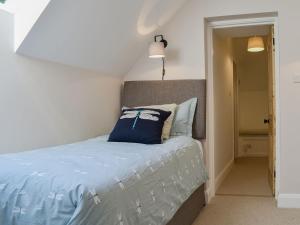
column 106, row 36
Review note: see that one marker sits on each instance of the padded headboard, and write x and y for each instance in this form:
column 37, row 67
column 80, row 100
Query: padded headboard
column 141, row 93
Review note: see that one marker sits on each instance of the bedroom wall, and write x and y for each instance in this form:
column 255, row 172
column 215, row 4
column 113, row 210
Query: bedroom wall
column 186, row 59
column 223, row 103
column 46, row 104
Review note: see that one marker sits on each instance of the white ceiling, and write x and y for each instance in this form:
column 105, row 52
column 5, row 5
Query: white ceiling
column 245, row 31
column 107, row 36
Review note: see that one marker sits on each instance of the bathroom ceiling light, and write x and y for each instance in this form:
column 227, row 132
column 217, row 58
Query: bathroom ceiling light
column 256, row 44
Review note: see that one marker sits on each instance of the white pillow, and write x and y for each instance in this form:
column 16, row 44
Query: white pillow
column 168, row 123
column 184, row 118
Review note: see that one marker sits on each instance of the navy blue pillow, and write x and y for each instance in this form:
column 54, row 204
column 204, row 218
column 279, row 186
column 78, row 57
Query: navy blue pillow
column 140, row 125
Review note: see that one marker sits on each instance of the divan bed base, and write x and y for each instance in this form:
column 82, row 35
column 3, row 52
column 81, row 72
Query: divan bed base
column 189, row 211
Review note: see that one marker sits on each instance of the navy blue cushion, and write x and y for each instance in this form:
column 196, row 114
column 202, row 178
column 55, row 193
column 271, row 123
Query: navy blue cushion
column 140, row 125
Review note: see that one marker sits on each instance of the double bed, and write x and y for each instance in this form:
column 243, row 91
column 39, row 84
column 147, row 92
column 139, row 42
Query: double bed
column 96, row 182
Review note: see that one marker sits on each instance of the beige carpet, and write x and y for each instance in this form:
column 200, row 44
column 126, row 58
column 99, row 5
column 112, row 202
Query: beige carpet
column 237, row 210
column 248, row 177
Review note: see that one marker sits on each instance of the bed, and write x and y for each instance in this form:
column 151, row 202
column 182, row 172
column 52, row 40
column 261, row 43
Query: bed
column 95, row 182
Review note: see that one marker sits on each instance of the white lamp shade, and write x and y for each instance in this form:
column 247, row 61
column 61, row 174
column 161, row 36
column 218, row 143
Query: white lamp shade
column 157, row 50
column 256, row 44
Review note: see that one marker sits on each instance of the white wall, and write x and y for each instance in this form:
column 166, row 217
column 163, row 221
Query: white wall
column 45, row 104
column 183, row 32
column 223, row 104
column 186, row 59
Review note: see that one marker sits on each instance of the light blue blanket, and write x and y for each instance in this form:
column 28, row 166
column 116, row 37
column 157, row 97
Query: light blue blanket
column 99, row 183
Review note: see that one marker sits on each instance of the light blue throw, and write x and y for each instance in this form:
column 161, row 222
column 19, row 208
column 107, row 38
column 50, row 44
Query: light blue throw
column 99, row 183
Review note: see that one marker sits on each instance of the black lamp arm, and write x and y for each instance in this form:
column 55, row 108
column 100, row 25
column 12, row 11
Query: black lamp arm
column 157, row 36
column 163, row 59
column 163, row 70
column 162, row 39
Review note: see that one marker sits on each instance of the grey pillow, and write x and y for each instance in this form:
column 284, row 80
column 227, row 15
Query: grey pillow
column 184, row 117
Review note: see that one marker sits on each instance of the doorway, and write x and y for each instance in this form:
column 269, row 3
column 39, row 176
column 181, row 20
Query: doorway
column 242, row 108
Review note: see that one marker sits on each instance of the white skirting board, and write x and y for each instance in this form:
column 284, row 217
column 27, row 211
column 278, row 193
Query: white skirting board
column 208, row 195
column 289, row 201
column 224, row 173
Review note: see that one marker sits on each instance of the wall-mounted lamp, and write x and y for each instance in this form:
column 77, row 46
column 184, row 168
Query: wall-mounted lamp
column 256, row 44
column 157, row 50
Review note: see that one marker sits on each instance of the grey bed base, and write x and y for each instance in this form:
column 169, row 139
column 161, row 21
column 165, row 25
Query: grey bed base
column 140, row 93
column 190, row 210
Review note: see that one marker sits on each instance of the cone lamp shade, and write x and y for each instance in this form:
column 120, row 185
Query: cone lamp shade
column 256, row 44
column 157, row 50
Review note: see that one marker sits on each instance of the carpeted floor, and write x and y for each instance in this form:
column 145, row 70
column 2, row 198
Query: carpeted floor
column 238, row 210
column 248, row 177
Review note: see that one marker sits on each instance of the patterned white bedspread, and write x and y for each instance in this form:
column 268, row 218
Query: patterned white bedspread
column 99, row 183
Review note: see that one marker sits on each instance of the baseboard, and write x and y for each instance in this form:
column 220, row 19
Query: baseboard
column 220, row 178
column 208, row 195
column 288, row 201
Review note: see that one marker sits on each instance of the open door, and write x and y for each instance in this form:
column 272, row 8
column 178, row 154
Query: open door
column 272, row 102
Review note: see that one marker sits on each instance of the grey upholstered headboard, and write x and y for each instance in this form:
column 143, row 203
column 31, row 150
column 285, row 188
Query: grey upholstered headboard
column 141, row 93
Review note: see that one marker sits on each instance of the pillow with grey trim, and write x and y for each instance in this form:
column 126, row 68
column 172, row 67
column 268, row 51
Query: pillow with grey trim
column 184, row 118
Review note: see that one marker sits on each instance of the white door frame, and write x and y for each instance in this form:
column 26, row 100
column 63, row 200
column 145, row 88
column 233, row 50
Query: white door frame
column 210, row 26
